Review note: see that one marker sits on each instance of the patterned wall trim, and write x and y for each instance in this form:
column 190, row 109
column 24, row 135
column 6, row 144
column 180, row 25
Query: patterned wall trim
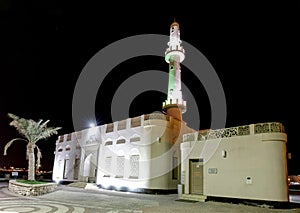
column 155, row 116
column 234, row 131
column 268, row 127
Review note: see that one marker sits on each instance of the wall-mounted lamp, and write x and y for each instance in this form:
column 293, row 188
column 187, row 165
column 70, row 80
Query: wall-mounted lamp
column 224, row 153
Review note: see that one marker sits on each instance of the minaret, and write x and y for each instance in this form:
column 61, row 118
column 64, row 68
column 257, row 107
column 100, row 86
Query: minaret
column 174, row 55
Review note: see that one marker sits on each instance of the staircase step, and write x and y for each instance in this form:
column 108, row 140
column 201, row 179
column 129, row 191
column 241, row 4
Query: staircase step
column 200, row 198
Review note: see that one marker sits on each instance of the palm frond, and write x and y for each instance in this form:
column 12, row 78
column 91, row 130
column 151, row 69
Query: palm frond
column 39, row 156
column 46, row 133
column 39, row 122
column 21, row 125
column 10, row 143
column 14, row 117
column 44, row 124
column 32, row 130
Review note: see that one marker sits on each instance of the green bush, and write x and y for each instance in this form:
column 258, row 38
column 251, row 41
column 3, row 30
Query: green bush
column 31, row 181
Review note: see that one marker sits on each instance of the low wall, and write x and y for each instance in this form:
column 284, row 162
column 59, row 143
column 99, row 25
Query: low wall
column 31, row 189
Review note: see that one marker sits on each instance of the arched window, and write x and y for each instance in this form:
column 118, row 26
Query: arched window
column 108, row 164
column 120, row 166
column 134, row 166
column 68, row 148
column 121, row 141
column 108, row 143
column 135, row 138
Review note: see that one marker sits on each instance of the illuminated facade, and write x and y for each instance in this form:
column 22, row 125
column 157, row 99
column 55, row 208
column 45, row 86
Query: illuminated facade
column 141, row 153
column 160, row 152
column 138, row 153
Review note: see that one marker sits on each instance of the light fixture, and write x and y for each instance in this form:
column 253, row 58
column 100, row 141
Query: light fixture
column 224, row 153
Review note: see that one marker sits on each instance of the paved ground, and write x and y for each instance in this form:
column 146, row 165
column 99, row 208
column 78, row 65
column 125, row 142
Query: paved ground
column 90, row 200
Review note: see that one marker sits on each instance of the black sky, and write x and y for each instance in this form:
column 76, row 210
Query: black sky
column 253, row 47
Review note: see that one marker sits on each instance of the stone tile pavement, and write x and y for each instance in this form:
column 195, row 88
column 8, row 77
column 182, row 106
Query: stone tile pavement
column 91, row 199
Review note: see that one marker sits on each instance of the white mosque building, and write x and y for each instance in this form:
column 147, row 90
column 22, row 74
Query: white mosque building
column 159, row 152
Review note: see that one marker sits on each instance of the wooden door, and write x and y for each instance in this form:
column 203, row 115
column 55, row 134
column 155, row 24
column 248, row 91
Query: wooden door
column 196, row 177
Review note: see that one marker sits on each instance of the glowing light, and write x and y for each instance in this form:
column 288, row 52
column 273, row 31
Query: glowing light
column 122, row 185
column 57, row 181
column 92, row 125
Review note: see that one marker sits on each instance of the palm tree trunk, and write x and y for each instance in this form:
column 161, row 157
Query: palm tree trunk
column 31, row 161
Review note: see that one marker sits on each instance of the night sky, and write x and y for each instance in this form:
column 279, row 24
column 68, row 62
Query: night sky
column 253, row 47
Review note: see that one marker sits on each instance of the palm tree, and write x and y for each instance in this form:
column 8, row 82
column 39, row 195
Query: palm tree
column 32, row 132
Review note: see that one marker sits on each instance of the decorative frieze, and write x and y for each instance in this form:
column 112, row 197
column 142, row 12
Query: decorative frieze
column 235, row 131
column 268, row 127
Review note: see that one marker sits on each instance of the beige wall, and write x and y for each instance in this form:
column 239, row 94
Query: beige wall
column 259, row 156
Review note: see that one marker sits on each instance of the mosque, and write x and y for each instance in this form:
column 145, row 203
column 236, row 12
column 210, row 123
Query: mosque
column 159, row 152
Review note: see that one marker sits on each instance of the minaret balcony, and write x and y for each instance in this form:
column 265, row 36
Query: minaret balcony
column 176, row 48
column 178, row 104
column 170, row 53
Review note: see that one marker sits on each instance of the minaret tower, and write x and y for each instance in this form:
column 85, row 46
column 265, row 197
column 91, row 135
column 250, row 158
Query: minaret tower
column 174, row 55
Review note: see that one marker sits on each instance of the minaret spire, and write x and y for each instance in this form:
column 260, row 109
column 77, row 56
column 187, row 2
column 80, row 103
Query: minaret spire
column 174, row 55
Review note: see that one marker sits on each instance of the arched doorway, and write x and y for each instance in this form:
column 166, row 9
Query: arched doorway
column 89, row 169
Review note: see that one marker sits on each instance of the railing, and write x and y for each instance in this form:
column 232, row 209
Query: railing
column 135, row 122
column 157, row 116
column 69, row 137
column 110, row 127
column 234, row 131
column 268, row 127
column 176, row 102
column 61, row 138
column 79, row 135
column 121, row 125
column 170, row 49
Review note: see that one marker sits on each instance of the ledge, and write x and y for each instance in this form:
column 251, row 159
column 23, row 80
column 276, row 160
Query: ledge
column 31, row 189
